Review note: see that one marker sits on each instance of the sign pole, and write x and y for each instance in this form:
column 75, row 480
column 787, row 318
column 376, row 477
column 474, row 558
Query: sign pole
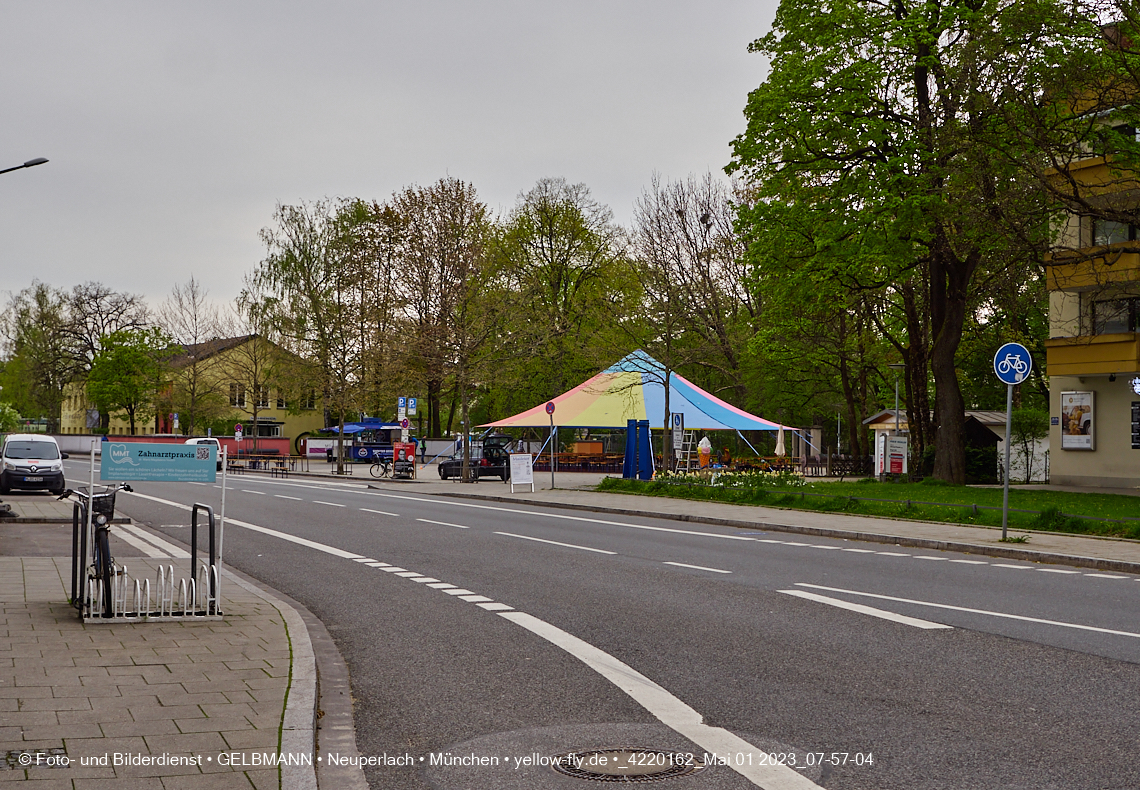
column 553, row 458
column 1008, row 426
column 1012, row 364
column 221, row 527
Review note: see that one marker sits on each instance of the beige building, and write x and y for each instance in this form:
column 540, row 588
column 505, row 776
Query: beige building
column 236, row 379
column 1093, row 352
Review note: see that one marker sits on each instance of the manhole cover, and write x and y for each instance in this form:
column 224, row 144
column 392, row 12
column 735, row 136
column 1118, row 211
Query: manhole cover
column 626, row 765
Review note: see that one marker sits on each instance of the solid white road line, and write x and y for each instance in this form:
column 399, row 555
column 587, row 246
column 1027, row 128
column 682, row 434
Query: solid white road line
column 147, row 549
column 442, row 523
column 555, row 543
column 696, row 567
column 856, row 607
column 169, row 548
column 312, row 544
column 380, row 512
column 973, row 611
column 669, row 710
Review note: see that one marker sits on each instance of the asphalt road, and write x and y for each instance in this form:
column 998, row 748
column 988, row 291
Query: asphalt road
column 519, row 631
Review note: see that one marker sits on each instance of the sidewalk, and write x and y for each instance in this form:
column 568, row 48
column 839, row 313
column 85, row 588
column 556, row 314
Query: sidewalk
column 171, row 705
column 575, row 492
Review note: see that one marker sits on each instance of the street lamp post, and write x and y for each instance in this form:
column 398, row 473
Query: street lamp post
column 39, row 160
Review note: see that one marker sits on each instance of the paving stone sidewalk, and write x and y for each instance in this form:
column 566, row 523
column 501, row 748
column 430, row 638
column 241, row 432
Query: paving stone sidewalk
column 195, row 700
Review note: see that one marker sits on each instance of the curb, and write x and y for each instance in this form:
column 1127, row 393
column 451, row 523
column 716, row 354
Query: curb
column 318, row 704
column 1001, row 552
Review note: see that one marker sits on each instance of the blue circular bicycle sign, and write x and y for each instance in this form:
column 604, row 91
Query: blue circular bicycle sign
column 1012, row 363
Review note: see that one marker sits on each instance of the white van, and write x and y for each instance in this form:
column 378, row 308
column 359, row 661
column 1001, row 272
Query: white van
column 32, row 461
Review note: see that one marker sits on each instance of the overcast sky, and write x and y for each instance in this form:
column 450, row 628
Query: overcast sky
column 174, row 129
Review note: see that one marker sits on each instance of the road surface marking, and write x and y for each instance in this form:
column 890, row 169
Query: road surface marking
column 891, row 554
column 475, row 598
column 442, row 523
column 169, row 548
column 380, row 512
column 1055, row 570
column 423, row 579
column 441, row 585
column 971, row 562
column 140, row 544
column 330, row 504
column 669, row 710
column 935, row 559
column 1013, row 567
column 861, row 551
column 294, row 498
column 259, row 493
column 393, row 569
column 697, row 567
column 856, row 607
column 793, row 543
column 828, row 548
column 377, row 564
column 555, row 543
column 495, row 607
column 364, row 559
column 974, row 611
column 1104, row 576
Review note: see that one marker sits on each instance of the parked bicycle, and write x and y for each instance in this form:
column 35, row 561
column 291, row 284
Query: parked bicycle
column 102, row 505
column 381, row 468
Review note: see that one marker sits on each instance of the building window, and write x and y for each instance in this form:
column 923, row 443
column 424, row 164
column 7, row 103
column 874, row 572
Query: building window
column 309, row 400
column 1112, row 316
column 1106, row 232
column 280, row 400
column 263, row 397
column 237, row 395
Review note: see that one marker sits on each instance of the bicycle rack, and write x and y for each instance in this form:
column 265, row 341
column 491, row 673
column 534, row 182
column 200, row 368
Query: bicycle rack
column 196, row 597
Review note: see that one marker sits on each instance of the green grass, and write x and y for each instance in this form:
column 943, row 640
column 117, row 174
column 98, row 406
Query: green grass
column 1053, row 511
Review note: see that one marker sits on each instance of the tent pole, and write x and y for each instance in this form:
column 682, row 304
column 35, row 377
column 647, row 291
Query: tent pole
column 753, row 449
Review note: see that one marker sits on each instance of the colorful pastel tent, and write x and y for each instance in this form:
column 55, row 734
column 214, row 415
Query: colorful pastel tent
column 634, row 389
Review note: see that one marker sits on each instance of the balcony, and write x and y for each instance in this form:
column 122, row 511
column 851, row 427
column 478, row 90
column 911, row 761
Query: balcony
column 1093, row 355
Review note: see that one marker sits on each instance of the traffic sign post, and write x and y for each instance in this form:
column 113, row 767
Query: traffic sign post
column 553, row 458
column 1012, row 364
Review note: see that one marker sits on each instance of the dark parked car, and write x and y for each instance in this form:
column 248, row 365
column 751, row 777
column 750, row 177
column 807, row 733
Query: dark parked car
column 492, row 460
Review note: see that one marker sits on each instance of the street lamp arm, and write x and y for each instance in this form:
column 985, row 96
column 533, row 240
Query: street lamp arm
column 39, row 160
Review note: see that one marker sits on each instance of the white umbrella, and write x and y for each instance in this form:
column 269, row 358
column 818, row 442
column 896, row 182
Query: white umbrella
column 780, row 451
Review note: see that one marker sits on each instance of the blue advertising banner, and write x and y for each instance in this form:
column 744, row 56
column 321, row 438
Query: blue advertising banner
column 128, row 461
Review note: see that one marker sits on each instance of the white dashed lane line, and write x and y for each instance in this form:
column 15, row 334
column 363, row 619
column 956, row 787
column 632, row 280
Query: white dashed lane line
column 696, row 567
column 294, row 498
column 555, row 543
column 882, row 614
column 442, row 523
column 380, row 512
column 330, row 504
column 259, row 493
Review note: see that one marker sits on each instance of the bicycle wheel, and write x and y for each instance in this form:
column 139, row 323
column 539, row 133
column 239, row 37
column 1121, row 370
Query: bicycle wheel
column 103, row 565
column 388, row 469
column 377, row 469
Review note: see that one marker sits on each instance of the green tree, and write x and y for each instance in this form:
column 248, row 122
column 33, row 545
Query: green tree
column 1027, row 427
column 884, row 122
column 127, row 372
column 40, row 355
column 9, row 418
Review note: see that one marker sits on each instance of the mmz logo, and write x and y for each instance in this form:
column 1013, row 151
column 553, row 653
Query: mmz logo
column 121, row 454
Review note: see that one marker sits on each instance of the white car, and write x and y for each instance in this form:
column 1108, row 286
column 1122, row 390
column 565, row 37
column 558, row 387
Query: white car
column 209, row 440
column 32, row 461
